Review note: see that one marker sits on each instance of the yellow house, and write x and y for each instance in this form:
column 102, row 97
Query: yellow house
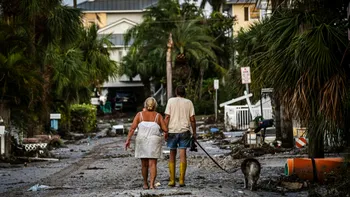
column 246, row 12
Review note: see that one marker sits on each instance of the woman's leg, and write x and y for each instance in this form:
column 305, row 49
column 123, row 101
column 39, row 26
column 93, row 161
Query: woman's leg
column 153, row 172
column 144, row 164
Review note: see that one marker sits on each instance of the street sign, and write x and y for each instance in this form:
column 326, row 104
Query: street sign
column 266, row 90
column 216, row 84
column 245, row 73
column 55, row 116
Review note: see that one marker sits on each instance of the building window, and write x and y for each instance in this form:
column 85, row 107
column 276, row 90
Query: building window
column 254, row 13
column 246, row 13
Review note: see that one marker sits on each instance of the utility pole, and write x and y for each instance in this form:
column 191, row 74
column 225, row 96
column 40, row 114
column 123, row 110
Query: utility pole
column 169, row 75
column 348, row 18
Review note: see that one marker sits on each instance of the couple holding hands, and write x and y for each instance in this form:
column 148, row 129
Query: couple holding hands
column 176, row 127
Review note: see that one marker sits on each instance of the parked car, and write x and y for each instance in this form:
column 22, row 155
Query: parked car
column 127, row 99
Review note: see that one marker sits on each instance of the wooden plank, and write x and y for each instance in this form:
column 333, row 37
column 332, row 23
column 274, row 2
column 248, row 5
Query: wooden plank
column 38, row 159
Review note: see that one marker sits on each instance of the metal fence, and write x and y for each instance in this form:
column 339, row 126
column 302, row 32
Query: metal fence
column 237, row 117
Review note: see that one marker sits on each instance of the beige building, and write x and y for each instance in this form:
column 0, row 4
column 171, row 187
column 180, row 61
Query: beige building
column 246, row 11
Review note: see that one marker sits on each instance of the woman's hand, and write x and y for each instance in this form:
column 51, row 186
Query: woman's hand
column 127, row 144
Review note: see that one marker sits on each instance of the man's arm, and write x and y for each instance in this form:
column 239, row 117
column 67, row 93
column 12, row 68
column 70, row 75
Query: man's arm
column 166, row 120
column 193, row 125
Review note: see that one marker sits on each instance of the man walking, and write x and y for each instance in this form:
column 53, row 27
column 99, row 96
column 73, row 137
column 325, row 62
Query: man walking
column 179, row 116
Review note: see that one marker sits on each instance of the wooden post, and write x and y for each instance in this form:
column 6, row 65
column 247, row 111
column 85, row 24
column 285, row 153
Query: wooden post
column 169, row 80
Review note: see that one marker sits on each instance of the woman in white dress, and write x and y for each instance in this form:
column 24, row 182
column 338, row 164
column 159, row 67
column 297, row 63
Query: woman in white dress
column 149, row 140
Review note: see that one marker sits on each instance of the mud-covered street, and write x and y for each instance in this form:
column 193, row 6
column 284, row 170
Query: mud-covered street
column 101, row 167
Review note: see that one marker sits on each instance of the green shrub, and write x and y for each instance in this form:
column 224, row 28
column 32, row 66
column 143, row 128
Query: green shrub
column 83, row 118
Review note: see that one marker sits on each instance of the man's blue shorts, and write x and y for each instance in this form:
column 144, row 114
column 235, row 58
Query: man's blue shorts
column 179, row 140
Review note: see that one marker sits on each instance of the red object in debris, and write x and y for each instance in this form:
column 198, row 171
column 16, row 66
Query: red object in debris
column 300, row 142
column 47, row 138
column 31, row 140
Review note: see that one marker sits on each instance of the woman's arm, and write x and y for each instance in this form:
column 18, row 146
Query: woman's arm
column 163, row 126
column 134, row 124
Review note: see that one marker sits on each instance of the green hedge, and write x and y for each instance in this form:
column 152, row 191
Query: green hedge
column 83, row 118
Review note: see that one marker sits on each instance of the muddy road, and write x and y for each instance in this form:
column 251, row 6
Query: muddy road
column 103, row 168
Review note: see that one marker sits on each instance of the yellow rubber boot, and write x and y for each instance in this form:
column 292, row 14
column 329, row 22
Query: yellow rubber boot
column 183, row 167
column 171, row 166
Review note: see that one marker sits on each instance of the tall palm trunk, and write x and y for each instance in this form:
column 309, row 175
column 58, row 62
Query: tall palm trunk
column 286, row 129
column 277, row 112
column 75, row 3
column 169, row 80
column 316, row 139
column 201, row 75
column 147, row 86
column 45, row 101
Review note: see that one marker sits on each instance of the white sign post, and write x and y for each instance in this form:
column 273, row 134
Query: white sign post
column 245, row 74
column 216, row 87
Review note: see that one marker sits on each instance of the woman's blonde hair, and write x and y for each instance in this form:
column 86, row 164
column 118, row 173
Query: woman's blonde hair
column 150, row 104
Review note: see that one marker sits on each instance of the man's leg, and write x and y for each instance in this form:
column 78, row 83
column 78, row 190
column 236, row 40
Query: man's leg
column 144, row 163
column 184, row 143
column 171, row 164
column 183, row 166
column 153, row 172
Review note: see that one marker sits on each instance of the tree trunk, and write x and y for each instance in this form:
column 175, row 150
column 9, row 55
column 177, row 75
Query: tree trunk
column 169, row 80
column 201, row 74
column 277, row 112
column 147, row 87
column 286, row 129
column 316, row 145
column 75, row 3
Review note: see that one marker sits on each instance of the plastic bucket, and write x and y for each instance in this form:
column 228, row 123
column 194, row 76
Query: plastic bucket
column 312, row 169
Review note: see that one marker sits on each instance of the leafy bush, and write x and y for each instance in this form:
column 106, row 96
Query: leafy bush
column 83, row 118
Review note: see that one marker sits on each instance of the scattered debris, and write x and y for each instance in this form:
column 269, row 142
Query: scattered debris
column 95, row 168
column 38, row 187
column 291, row 185
column 37, row 159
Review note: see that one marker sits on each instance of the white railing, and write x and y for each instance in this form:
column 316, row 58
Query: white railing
column 237, row 117
column 160, row 95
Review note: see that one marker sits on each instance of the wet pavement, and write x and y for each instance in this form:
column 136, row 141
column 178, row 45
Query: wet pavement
column 103, row 168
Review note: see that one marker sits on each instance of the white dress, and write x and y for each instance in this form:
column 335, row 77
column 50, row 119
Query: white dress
column 149, row 140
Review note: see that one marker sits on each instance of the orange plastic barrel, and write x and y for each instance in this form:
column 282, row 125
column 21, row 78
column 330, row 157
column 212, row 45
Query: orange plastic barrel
column 305, row 169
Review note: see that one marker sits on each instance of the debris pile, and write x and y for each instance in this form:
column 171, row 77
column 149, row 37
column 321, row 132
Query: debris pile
column 284, row 184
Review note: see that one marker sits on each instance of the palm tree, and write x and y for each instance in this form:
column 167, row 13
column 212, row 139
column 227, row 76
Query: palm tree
column 300, row 53
column 96, row 56
column 190, row 38
column 67, row 60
